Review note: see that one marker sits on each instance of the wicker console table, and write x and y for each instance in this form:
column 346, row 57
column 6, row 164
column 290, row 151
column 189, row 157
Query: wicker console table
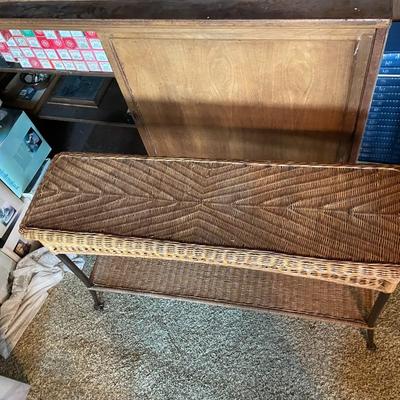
column 315, row 241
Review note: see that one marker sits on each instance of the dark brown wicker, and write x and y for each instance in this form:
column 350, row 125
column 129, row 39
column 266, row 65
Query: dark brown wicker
column 234, row 286
column 346, row 213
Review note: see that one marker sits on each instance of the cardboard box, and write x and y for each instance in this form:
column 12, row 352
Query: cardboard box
column 22, row 150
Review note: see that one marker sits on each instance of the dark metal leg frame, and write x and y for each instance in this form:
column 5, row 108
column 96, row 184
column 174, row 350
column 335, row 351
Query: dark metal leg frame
column 98, row 303
column 377, row 308
column 380, row 302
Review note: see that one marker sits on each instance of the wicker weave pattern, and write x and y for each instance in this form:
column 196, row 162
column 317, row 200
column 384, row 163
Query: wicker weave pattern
column 235, row 286
column 379, row 277
column 227, row 213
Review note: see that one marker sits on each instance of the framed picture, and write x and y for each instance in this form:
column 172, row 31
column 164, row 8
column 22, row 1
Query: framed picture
column 22, row 248
column 7, row 211
column 81, row 91
column 22, row 151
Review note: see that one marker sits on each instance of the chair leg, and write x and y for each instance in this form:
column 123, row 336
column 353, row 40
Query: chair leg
column 98, row 302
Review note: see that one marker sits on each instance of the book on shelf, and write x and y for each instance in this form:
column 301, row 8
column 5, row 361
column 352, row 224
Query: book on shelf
column 386, row 96
column 385, row 103
column 389, row 70
column 22, row 150
column 388, row 81
column 391, row 56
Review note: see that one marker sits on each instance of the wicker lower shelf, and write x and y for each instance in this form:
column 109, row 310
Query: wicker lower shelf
column 236, row 287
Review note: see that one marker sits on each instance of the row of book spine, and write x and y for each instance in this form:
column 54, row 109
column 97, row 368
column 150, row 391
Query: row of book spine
column 381, row 140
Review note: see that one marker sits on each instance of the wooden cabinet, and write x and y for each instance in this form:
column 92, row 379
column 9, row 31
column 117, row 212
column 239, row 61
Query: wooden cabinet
column 270, row 80
column 250, row 90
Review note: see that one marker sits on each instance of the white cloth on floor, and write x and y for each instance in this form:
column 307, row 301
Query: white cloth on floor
column 13, row 390
column 34, row 275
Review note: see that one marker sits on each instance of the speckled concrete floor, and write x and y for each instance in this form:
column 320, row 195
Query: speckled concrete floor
column 151, row 349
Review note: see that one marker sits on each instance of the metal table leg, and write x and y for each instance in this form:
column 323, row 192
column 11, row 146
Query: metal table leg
column 377, row 308
column 369, row 335
column 98, row 302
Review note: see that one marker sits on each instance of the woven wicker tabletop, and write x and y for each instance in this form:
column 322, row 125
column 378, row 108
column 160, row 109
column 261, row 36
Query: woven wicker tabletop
column 237, row 287
column 347, row 213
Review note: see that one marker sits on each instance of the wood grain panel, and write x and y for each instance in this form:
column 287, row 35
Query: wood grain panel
column 396, row 10
column 369, row 87
column 265, row 94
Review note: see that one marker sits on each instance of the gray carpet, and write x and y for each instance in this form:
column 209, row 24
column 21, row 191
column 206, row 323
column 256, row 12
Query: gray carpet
column 151, row 349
